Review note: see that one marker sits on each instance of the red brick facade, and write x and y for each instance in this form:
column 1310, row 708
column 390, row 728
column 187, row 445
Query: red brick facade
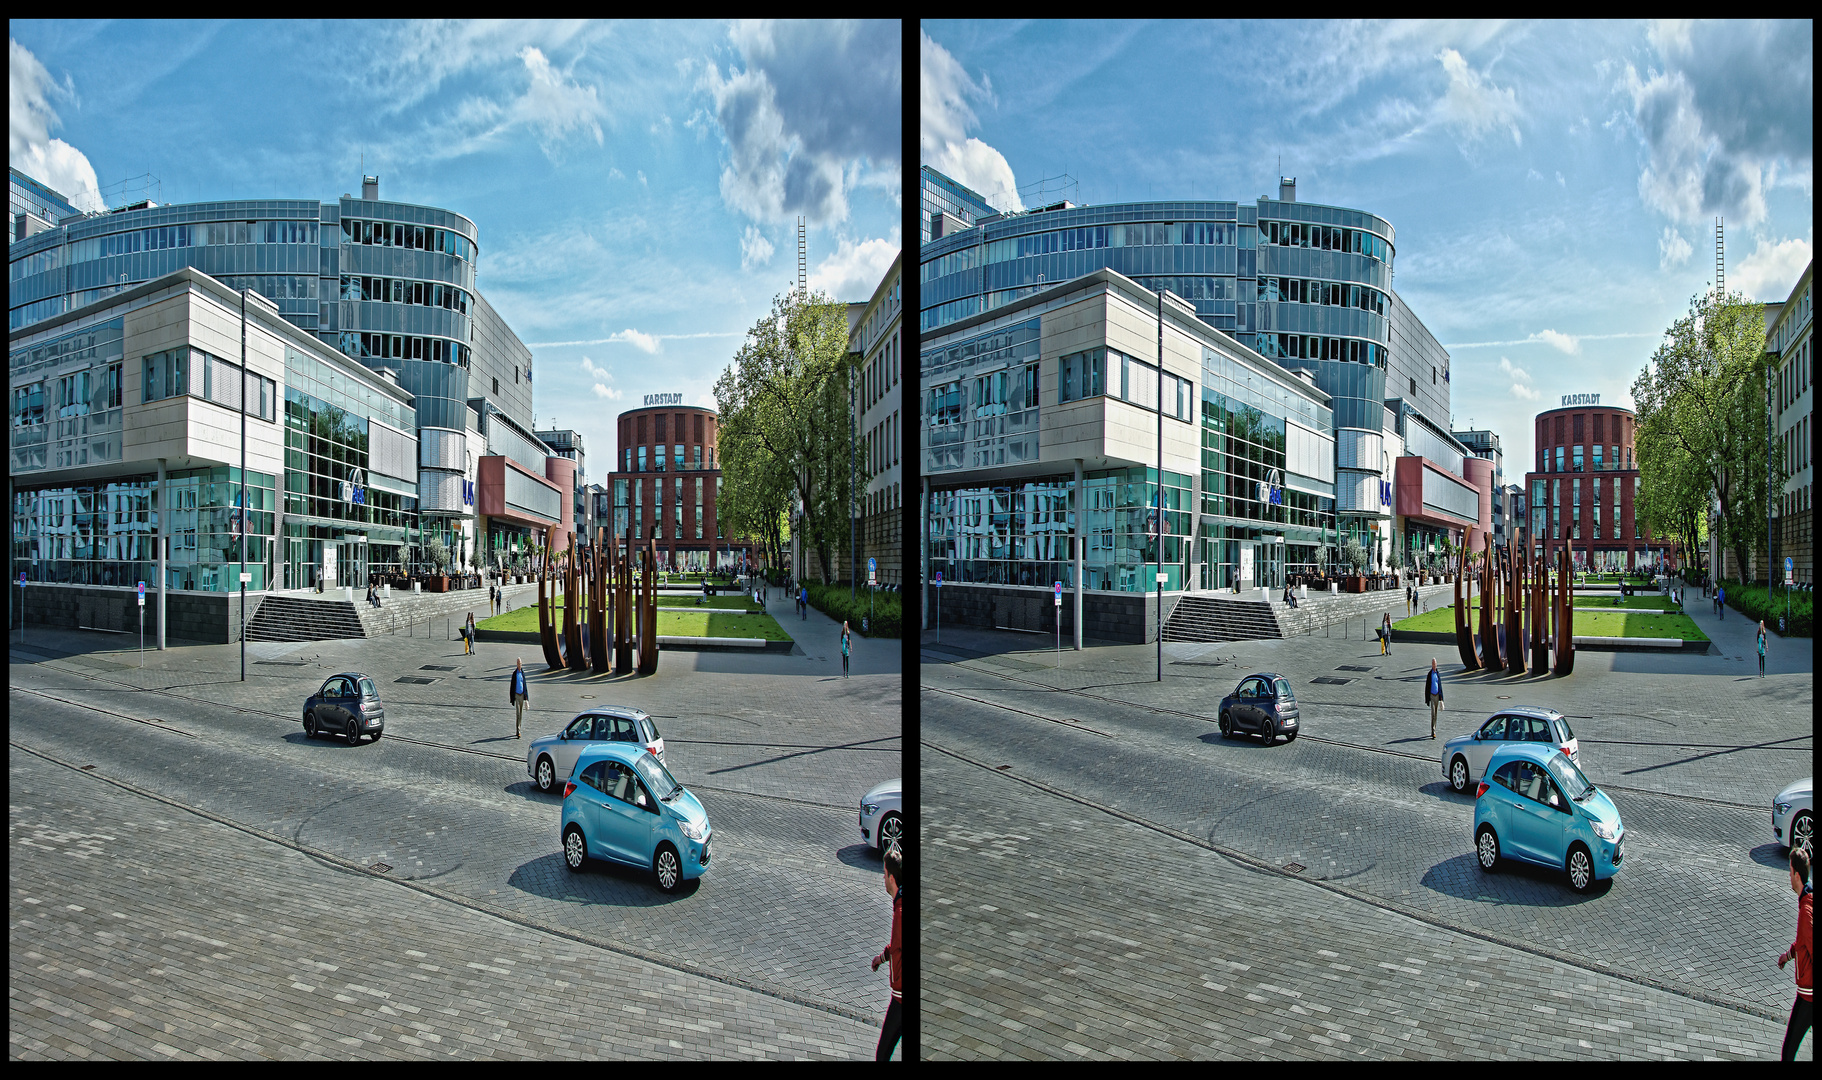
column 646, row 455
column 1554, row 516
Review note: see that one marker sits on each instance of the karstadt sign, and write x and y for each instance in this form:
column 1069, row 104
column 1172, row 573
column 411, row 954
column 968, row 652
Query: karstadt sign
column 664, row 399
column 1581, row 399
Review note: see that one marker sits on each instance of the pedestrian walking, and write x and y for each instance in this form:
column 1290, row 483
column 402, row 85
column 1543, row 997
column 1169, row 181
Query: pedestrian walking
column 1385, row 635
column 1408, row 601
column 803, row 603
column 893, row 955
column 491, row 608
column 1432, row 694
column 468, row 635
column 844, row 647
column 518, row 694
column 1802, row 1013
column 1761, row 648
column 1720, row 602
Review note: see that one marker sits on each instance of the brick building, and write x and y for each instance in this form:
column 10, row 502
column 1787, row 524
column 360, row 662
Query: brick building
column 1585, row 485
column 666, row 480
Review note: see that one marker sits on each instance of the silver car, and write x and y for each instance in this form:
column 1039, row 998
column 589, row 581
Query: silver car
column 882, row 816
column 550, row 760
column 1464, row 758
column 1793, row 820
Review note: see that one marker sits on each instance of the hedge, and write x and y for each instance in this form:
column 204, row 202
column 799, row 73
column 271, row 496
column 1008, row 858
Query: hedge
column 1759, row 603
column 832, row 600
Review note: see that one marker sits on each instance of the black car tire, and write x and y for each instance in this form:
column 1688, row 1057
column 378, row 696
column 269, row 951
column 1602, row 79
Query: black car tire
column 310, row 724
column 1486, row 849
column 547, row 774
column 667, row 866
column 354, row 732
column 891, row 831
column 1802, row 829
column 1580, row 867
column 575, row 849
column 1267, row 735
column 1458, row 774
column 1227, row 726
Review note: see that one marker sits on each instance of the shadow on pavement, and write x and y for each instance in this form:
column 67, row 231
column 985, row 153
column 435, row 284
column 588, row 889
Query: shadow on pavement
column 1512, row 883
column 862, row 856
column 1442, row 792
column 599, row 883
column 1773, row 854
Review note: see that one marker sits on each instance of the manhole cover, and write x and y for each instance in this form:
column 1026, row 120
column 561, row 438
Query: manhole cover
column 380, row 868
column 437, row 667
column 1331, row 681
column 1293, row 868
column 1351, row 667
column 414, row 679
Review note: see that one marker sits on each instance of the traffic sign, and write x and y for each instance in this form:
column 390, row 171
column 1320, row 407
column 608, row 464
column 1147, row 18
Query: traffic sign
column 22, row 579
column 1059, row 594
column 142, row 594
column 1790, row 577
column 872, row 570
column 939, row 579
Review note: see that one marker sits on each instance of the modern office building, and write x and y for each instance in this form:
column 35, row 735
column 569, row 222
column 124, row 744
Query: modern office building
column 948, row 206
column 126, row 453
column 567, row 444
column 1484, row 445
column 390, row 284
column 1307, row 286
column 666, row 484
column 1040, row 443
column 1790, row 342
column 1584, row 489
column 877, row 343
column 34, row 206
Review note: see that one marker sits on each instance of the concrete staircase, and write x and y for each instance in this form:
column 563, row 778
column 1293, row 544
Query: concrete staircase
column 283, row 617
column 1321, row 610
column 1220, row 618
column 398, row 614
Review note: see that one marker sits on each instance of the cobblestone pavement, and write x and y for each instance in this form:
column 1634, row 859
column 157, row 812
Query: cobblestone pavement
column 1054, row 929
column 778, row 751
column 139, row 930
column 1361, row 803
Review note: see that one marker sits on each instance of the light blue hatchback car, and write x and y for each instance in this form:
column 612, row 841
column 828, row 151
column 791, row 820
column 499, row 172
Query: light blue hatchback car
column 621, row 805
column 1535, row 805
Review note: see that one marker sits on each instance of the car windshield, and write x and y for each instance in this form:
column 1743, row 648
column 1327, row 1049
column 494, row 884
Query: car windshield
column 656, row 777
column 1568, row 776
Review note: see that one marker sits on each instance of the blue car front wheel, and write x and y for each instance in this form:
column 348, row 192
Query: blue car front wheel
column 667, row 868
column 1581, row 868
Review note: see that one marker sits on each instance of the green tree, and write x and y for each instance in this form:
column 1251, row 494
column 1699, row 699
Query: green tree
column 784, row 415
column 438, row 552
column 1702, row 415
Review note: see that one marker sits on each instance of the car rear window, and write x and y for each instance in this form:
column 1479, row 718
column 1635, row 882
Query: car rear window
column 1564, row 731
column 368, row 690
column 651, row 729
column 1284, row 690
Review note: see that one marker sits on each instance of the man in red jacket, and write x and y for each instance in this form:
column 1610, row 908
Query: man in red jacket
column 1803, row 1012
column 889, row 1031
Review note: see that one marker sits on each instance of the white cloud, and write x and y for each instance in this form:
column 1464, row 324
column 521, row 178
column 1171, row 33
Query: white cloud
column 589, row 368
column 1508, row 368
column 1524, row 393
column 1673, row 250
column 642, row 180
column 608, row 392
column 1533, row 174
column 1472, row 105
column 945, row 117
column 817, row 104
column 755, row 249
column 614, row 173
column 854, row 270
column 29, row 146
column 643, row 342
column 1562, row 342
column 1771, row 271
column 1560, row 182
column 552, row 106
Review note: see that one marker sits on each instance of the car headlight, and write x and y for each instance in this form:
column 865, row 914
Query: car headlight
column 694, row 832
column 1784, row 808
column 1606, row 831
column 869, row 809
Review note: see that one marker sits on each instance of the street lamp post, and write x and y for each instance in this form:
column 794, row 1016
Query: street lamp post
column 1160, row 511
column 243, row 485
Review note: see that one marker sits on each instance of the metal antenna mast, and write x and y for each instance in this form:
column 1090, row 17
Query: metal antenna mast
column 802, row 253
column 1720, row 258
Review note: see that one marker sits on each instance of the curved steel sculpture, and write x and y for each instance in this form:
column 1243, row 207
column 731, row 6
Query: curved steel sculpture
column 1464, row 638
column 1490, row 656
column 1539, row 572
column 1515, row 592
column 1565, row 616
column 604, row 601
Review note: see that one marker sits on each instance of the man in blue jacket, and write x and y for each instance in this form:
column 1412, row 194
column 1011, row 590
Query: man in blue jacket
column 1432, row 694
column 517, row 695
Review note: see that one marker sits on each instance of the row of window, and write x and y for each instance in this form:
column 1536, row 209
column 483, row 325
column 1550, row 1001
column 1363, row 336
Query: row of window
column 1325, row 237
column 187, row 370
column 636, row 456
column 1329, row 293
column 638, row 519
column 1796, row 447
column 77, row 394
column 402, row 291
column 882, row 445
column 409, row 237
column 168, row 236
column 404, row 347
column 1113, row 373
column 1315, row 347
column 1606, row 459
column 1793, row 376
column 881, row 374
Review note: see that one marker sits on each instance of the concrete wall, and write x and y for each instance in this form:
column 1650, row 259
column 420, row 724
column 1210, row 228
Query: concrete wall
column 212, row 618
column 1106, row 616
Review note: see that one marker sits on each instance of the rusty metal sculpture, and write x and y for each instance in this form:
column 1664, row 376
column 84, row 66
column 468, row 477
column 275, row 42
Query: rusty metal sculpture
column 599, row 633
column 1490, row 656
column 648, row 607
column 1565, row 615
column 1464, row 637
column 1515, row 593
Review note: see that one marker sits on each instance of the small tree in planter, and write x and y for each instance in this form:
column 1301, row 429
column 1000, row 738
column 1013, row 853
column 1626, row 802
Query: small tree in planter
column 439, row 558
column 1322, row 563
column 1356, row 558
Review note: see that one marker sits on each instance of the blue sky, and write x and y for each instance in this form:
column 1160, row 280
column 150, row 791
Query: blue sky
column 1553, row 186
column 636, row 186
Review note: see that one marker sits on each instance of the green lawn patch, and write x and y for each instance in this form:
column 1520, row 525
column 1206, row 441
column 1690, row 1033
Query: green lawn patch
column 685, row 620
column 1614, row 622
column 737, row 602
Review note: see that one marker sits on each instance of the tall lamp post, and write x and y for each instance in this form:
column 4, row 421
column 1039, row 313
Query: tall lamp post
column 1159, row 535
column 243, row 485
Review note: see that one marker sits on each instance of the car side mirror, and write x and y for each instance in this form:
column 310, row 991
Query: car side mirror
column 1477, row 736
column 564, row 734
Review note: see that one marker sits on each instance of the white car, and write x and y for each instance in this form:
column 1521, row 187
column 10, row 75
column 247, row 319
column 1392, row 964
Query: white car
column 1464, row 758
column 882, row 816
column 550, row 760
column 1793, row 820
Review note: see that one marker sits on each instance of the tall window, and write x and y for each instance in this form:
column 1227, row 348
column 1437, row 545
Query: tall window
column 1576, row 455
column 1559, row 460
column 639, row 508
column 699, row 507
column 642, row 459
column 1084, row 375
column 677, row 512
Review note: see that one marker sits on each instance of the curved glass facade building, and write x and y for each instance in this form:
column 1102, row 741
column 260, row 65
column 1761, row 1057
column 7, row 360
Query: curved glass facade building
column 389, row 284
column 1305, row 285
